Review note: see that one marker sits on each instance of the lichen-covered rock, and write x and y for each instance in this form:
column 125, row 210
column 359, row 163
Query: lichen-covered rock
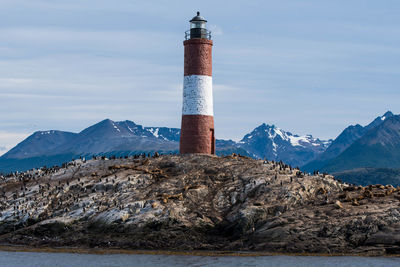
column 197, row 202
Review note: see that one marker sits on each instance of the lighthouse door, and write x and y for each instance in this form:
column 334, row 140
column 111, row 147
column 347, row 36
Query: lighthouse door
column 212, row 142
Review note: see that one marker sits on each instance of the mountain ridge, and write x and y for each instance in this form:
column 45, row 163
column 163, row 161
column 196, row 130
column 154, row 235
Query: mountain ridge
column 357, row 147
column 378, row 148
column 344, row 140
column 109, row 137
column 278, row 144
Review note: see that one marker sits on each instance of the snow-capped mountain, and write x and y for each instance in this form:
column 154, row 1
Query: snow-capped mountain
column 375, row 145
column 104, row 137
column 273, row 143
column 125, row 137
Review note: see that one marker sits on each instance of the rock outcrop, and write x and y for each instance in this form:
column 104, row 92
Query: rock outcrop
column 197, row 202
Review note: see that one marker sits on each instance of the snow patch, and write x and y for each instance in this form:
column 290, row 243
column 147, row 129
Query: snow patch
column 327, row 142
column 115, row 127
column 281, row 133
column 47, row 132
column 155, row 132
column 296, row 140
column 274, row 149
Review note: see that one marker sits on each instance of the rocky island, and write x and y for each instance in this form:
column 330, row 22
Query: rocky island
column 196, row 202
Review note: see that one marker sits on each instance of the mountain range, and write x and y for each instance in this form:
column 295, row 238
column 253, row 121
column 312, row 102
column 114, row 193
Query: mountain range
column 364, row 155
column 104, row 138
column 358, row 151
column 126, row 138
column 378, row 147
column 346, row 139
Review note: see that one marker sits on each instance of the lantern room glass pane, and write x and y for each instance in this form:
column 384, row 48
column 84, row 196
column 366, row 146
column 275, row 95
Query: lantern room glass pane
column 198, row 24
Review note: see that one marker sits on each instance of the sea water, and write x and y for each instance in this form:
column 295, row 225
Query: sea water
column 71, row 259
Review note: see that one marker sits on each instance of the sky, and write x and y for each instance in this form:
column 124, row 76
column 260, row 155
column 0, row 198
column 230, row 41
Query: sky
column 308, row 67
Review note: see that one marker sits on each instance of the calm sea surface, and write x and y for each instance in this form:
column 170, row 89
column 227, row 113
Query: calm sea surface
column 69, row 259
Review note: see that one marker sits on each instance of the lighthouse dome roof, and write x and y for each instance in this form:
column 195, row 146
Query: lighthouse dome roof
column 198, row 18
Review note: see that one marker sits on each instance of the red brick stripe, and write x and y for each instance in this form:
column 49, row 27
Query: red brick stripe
column 197, row 134
column 198, row 57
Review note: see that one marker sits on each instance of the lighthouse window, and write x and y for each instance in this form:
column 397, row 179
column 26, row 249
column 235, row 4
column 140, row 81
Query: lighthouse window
column 198, row 24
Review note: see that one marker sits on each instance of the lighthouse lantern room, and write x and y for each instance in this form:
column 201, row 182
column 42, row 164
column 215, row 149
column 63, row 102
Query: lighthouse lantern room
column 198, row 28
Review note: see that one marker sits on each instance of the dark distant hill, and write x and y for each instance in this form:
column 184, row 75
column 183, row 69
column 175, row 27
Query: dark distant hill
column 8, row 165
column 378, row 148
column 364, row 155
column 40, row 143
column 378, row 121
column 349, row 135
column 366, row 176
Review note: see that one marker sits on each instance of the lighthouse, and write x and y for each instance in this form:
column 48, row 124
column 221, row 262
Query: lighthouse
column 197, row 128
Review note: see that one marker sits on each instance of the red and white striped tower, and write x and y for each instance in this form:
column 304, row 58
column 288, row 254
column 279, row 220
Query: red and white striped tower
column 197, row 129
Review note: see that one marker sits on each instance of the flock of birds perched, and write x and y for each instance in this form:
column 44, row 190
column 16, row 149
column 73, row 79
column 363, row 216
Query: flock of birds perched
column 34, row 191
column 35, row 194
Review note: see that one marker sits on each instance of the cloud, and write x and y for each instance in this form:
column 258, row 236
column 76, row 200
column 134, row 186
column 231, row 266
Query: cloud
column 67, row 39
column 10, row 139
column 215, row 30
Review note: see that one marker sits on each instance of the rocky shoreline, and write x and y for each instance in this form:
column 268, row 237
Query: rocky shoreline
column 203, row 253
column 197, row 202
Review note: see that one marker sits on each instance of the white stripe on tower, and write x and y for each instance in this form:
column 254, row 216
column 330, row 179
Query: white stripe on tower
column 197, row 95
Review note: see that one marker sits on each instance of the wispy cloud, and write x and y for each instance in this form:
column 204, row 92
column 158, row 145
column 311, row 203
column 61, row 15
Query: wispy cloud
column 216, row 30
